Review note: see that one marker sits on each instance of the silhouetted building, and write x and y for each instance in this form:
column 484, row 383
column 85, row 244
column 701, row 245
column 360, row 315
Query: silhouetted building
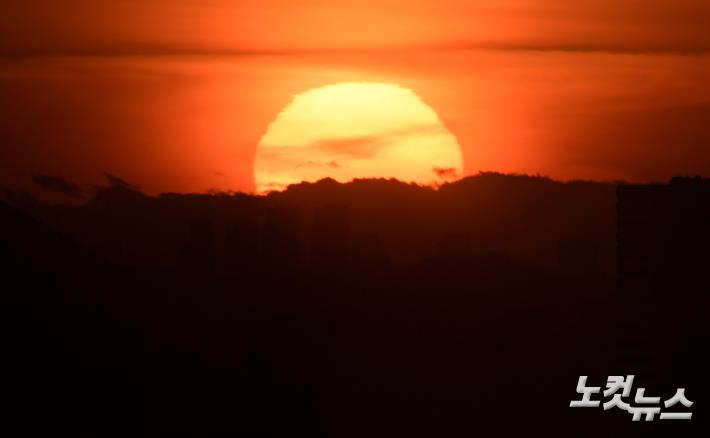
column 330, row 236
column 110, row 251
column 368, row 254
column 198, row 255
column 241, row 246
column 578, row 256
column 454, row 245
column 663, row 238
column 281, row 238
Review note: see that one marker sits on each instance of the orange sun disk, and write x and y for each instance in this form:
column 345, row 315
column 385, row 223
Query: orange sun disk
column 356, row 130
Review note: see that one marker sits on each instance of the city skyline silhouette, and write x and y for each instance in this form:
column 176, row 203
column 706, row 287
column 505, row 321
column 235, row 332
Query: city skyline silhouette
column 373, row 304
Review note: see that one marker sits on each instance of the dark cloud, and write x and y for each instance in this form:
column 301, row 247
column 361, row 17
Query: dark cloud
column 367, row 146
column 698, row 48
column 446, row 172
column 196, row 27
column 117, row 51
column 332, row 164
column 58, row 184
column 354, row 147
column 115, row 181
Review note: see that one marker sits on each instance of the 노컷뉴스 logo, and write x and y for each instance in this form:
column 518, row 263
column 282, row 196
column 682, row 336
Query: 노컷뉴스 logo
column 619, row 388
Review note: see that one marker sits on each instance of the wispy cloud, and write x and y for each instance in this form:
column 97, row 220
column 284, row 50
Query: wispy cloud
column 58, row 184
column 446, row 172
column 116, row 181
column 702, row 48
column 108, row 28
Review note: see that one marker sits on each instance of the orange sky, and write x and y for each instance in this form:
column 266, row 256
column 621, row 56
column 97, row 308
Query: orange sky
column 174, row 95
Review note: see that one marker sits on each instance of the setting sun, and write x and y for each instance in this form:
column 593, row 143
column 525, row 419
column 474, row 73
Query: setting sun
column 356, row 130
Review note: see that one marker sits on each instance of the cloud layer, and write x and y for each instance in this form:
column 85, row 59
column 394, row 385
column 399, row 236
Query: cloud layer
column 227, row 28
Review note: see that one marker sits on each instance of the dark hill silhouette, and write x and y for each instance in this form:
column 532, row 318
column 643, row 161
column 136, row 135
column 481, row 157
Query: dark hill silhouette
column 532, row 218
column 559, row 226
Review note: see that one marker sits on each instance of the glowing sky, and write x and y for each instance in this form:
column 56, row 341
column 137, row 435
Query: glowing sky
column 176, row 95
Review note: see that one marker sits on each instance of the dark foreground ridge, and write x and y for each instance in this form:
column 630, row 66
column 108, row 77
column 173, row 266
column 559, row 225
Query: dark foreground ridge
column 371, row 308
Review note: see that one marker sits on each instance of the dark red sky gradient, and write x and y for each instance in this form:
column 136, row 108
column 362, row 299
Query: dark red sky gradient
column 174, row 95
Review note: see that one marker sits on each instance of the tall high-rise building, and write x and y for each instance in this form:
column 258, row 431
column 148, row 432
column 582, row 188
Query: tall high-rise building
column 198, row 255
column 330, row 236
column 241, row 246
column 663, row 247
column 281, row 238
